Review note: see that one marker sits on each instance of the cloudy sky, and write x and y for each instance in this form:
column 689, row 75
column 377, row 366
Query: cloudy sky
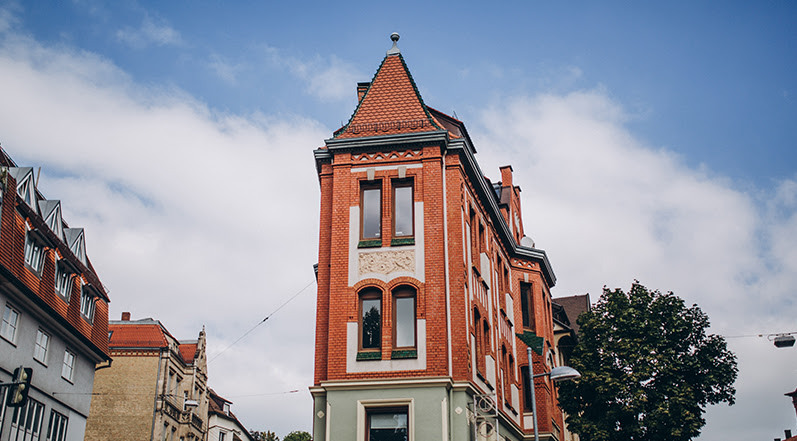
column 652, row 142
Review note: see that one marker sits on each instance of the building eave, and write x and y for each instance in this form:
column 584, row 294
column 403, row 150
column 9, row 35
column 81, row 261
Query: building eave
column 484, row 191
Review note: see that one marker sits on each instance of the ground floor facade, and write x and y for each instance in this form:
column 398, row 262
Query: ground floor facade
column 411, row 410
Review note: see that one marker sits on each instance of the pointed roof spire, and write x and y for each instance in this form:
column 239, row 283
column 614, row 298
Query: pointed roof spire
column 394, row 50
column 391, row 104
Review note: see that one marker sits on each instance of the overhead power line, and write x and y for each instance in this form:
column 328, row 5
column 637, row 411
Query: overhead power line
column 264, row 320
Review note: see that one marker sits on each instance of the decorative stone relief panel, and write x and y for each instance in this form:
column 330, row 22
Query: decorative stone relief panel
column 387, row 262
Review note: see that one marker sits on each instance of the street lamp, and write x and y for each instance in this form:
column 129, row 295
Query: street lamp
column 560, row 373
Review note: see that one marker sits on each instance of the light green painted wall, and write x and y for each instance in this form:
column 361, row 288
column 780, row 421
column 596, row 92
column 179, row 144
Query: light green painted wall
column 428, row 413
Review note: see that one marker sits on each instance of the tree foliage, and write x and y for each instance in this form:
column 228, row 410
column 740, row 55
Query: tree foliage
column 648, row 369
column 298, row 436
column 264, row 436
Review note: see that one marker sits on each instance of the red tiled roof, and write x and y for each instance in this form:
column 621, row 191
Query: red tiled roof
column 188, row 351
column 137, row 336
column 391, row 105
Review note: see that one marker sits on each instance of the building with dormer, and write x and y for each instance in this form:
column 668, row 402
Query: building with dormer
column 55, row 312
column 156, row 388
column 425, row 276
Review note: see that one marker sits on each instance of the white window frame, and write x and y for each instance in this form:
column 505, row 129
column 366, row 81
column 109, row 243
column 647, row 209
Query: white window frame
column 30, row 432
column 363, row 406
column 41, row 347
column 61, row 423
column 87, row 304
column 8, row 330
column 68, row 368
column 34, row 253
column 63, row 281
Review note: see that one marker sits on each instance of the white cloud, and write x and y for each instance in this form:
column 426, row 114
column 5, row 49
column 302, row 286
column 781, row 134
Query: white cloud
column 202, row 218
column 192, row 217
column 152, row 31
column 327, row 78
column 225, row 69
column 609, row 209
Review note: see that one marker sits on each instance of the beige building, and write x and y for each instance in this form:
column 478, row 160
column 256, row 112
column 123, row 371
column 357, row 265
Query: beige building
column 155, row 389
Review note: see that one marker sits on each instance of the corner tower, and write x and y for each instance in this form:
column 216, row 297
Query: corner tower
column 424, row 278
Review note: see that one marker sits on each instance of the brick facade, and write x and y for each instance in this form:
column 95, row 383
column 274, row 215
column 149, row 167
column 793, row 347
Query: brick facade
column 467, row 263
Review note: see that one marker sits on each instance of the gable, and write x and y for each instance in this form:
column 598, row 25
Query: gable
column 51, row 213
column 26, row 188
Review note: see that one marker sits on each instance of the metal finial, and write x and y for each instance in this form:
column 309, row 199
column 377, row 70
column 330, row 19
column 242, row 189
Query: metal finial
column 394, row 50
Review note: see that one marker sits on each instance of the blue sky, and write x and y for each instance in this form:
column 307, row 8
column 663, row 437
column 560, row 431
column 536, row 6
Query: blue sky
column 712, row 81
column 652, row 141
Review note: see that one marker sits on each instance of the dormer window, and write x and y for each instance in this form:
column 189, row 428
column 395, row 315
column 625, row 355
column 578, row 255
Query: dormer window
column 88, row 299
column 226, row 408
column 25, row 184
column 51, row 213
column 75, row 240
column 63, row 279
column 34, row 252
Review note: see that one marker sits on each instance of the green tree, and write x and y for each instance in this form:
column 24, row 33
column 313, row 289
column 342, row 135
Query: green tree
column 298, row 436
column 648, row 369
column 264, row 436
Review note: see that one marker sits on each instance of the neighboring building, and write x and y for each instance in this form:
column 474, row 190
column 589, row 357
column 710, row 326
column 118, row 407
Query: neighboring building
column 424, row 277
column 54, row 312
column 565, row 327
column 156, row 388
column 222, row 423
column 565, row 334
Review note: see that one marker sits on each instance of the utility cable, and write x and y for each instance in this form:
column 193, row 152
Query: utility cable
column 263, row 321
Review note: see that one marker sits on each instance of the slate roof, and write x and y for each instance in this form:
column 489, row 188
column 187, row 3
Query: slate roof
column 574, row 306
column 216, row 407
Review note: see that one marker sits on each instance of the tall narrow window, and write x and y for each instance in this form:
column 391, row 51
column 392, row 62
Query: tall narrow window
column 56, row 429
column 40, row 348
column 524, row 373
column 387, row 425
column 63, row 281
column 505, row 362
column 34, row 253
column 402, row 209
column 8, row 330
column 477, row 329
column 26, row 423
column 371, row 319
column 68, row 368
column 527, row 305
column 404, row 318
column 87, row 304
column 371, row 210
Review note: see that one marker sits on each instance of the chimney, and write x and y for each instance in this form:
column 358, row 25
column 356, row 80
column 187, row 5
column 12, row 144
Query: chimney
column 788, row 433
column 125, row 316
column 361, row 89
column 506, row 176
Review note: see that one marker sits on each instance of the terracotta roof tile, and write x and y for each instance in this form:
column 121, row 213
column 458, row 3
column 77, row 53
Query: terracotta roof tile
column 137, row 336
column 391, row 105
column 188, row 351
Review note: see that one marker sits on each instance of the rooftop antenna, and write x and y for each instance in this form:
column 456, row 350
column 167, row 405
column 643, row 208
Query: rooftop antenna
column 394, row 50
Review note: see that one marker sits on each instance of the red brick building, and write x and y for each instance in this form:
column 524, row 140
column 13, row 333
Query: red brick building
column 424, row 278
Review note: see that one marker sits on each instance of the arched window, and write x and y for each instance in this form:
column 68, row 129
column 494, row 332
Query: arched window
column 404, row 314
column 370, row 318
